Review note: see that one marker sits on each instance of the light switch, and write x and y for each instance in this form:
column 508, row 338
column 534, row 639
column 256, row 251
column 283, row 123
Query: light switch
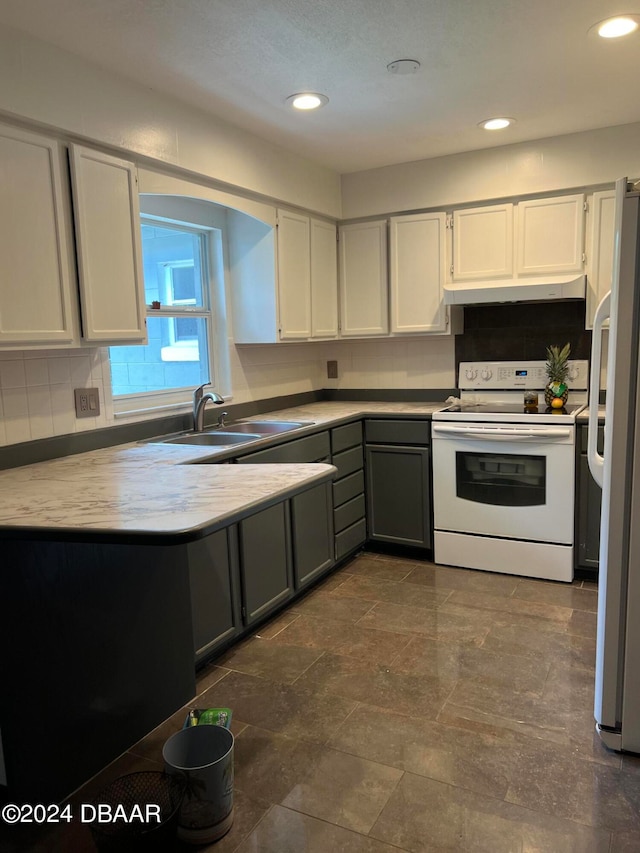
column 87, row 402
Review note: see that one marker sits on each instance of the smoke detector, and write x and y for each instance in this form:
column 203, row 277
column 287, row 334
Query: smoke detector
column 403, row 66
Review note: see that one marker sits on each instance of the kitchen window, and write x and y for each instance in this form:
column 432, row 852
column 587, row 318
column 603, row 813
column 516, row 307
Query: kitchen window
column 181, row 264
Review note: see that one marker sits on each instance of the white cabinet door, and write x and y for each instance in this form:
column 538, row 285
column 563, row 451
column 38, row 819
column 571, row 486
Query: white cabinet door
column 324, row 280
column 551, row 235
column 363, row 279
column 417, row 263
column 294, row 276
column 483, row 242
column 107, row 219
column 37, row 290
column 599, row 250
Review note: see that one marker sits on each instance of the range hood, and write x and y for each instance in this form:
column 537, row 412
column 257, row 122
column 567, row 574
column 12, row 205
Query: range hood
column 547, row 289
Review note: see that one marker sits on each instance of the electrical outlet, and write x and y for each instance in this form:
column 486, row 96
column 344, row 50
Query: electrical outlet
column 87, row 402
column 332, row 370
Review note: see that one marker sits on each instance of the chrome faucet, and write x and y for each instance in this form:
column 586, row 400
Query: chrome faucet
column 200, row 400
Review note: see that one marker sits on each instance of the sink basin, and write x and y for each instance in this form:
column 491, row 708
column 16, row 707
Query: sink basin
column 238, row 433
column 213, row 439
column 262, row 427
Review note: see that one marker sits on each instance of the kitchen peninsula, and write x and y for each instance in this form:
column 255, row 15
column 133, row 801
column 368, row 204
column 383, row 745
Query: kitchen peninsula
column 95, row 582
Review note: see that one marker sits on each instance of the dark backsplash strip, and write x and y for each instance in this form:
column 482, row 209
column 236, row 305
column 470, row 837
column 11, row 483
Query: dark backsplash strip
column 517, row 331
column 25, row 453
column 386, row 395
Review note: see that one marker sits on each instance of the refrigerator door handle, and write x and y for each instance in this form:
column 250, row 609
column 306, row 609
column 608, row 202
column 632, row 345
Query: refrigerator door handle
column 595, row 459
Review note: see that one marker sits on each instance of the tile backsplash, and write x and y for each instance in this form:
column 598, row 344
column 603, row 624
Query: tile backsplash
column 36, row 386
column 36, row 392
column 522, row 331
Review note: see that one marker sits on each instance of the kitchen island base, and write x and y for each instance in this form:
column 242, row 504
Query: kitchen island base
column 109, row 627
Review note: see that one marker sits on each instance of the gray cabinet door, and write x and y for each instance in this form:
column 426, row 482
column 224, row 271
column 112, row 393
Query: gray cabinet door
column 312, row 533
column 265, row 561
column 589, row 501
column 398, row 495
column 214, row 605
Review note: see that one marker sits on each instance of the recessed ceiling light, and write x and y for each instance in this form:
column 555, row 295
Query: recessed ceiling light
column 307, row 100
column 496, row 123
column 403, row 66
column 614, row 28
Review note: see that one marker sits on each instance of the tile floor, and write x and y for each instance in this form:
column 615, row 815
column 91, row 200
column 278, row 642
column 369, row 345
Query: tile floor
column 404, row 706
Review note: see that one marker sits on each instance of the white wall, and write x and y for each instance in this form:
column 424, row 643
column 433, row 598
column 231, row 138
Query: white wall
column 267, row 371
column 546, row 165
column 41, row 83
column 390, row 363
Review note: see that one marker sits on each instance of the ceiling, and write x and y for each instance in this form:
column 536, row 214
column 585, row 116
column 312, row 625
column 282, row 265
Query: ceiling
column 239, row 59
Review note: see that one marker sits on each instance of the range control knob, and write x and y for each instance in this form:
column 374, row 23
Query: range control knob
column 486, row 374
column 471, row 373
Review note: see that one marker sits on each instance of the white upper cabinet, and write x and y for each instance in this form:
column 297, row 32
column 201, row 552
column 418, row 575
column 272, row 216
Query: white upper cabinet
column 417, row 265
column 601, row 233
column 40, row 305
column 483, row 243
column 550, row 235
column 107, row 221
column 294, row 275
column 363, row 279
column 324, row 279
column 307, row 277
column 37, row 288
column 283, row 279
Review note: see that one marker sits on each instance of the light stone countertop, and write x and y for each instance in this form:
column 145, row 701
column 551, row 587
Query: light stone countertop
column 583, row 417
column 150, row 489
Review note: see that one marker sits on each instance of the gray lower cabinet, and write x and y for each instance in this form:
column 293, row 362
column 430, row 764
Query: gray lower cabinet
column 349, row 507
column 311, row 448
column 265, row 561
column 398, row 482
column 588, row 503
column 312, row 534
column 242, row 573
column 213, row 578
column 311, row 511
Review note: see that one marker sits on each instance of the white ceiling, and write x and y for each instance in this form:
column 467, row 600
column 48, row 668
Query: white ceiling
column 240, row 59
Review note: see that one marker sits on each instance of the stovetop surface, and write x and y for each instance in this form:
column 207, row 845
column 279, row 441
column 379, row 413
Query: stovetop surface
column 512, row 408
column 504, row 412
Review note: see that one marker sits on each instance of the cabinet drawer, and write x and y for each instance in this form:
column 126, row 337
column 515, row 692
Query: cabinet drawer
column 584, row 439
column 348, row 461
column 350, row 538
column 346, row 436
column 398, row 432
column 349, row 513
column 349, row 487
column 308, row 449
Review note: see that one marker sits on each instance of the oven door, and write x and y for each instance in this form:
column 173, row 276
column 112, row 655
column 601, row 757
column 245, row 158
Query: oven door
column 510, row 481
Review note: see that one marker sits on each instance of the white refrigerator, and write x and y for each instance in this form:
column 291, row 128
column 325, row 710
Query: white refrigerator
column 617, row 691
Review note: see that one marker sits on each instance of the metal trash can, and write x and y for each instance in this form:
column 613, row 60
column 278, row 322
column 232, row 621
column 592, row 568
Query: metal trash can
column 203, row 755
column 137, row 813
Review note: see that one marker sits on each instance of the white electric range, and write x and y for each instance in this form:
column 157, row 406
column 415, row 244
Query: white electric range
column 504, row 473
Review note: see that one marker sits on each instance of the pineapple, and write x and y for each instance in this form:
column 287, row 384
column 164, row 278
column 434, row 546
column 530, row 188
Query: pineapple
column 556, row 392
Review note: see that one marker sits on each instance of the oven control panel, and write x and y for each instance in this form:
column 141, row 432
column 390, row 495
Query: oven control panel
column 507, row 375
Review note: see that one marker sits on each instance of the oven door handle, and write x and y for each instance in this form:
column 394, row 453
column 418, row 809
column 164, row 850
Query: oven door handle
column 497, row 434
